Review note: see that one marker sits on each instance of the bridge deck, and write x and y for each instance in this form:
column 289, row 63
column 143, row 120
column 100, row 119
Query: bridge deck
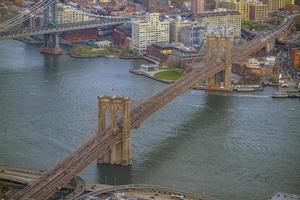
column 25, row 32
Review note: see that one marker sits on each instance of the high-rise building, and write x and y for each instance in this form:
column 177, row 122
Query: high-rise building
column 226, row 19
column 192, row 35
column 258, row 11
column 243, row 8
column 148, row 31
column 175, row 28
column 197, row 7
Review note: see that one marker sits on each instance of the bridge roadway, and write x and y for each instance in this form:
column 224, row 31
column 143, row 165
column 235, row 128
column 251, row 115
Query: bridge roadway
column 18, row 178
column 61, row 28
column 65, row 170
column 147, row 189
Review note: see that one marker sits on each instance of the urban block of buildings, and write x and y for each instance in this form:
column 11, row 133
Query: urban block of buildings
column 254, row 9
column 221, row 18
column 67, row 14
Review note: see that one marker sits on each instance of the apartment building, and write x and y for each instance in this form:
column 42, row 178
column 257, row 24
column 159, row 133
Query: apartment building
column 217, row 31
column 71, row 15
column 226, row 19
column 274, row 5
column 175, row 28
column 258, row 11
column 192, row 35
column 148, row 31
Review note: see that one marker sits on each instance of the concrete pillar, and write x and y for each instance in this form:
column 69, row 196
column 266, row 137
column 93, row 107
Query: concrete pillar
column 120, row 153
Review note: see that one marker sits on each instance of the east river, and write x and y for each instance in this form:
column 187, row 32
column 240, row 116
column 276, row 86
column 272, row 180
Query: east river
column 228, row 146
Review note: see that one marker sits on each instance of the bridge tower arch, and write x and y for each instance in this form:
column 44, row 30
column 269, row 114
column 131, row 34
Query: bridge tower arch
column 51, row 41
column 113, row 109
column 219, row 50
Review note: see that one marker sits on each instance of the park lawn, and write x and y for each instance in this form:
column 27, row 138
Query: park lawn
column 170, row 75
column 90, row 51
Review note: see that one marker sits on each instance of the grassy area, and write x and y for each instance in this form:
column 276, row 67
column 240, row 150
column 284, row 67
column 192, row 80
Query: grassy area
column 170, row 75
column 94, row 52
column 128, row 53
column 252, row 25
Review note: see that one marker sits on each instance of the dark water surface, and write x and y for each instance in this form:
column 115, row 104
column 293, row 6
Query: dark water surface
column 227, row 146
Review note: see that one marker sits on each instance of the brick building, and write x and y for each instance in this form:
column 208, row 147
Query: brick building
column 121, row 35
column 295, row 58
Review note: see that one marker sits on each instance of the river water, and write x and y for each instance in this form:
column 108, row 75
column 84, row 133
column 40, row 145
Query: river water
column 228, row 146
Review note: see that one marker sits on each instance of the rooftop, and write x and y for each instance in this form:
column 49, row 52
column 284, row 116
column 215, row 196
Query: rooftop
column 162, row 46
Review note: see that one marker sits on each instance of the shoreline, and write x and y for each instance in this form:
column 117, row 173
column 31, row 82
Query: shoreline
column 74, row 55
column 136, row 72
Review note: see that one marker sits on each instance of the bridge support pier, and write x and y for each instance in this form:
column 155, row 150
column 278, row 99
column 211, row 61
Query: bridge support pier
column 113, row 109
column 219, row 50
column 51, row 41
column 51, row 45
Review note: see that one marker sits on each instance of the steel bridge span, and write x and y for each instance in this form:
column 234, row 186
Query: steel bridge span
column 95, row 146
column 59, row 28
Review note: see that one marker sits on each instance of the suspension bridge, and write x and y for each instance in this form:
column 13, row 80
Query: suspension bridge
column 112, row 144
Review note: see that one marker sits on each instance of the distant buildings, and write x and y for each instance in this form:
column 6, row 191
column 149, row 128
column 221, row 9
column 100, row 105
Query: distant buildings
column 117, row 3
column 274, row 5
column 254, row 9
column 197, row 7
column 148, row 31
column 71, row 15
column 157, row 5
column 226, row 19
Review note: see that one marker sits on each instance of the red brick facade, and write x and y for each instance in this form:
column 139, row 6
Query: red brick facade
column 78, row 35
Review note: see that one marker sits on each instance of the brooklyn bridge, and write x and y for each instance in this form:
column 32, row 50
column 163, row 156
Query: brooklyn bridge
column 112, row 144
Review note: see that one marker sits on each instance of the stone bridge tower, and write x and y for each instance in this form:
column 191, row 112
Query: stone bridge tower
column 219, row 51
column 113, row 110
